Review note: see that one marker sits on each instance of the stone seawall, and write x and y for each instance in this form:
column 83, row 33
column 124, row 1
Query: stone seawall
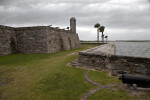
column 38, row 39
column 103, row 57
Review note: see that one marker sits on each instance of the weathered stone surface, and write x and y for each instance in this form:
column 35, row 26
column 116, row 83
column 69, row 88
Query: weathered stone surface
column 7, row 39
column 73, row 25
column 31, row 40
column 104, row 58
column 103, row 50
column 40, row 39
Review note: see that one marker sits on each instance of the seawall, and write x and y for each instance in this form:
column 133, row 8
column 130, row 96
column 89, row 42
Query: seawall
column 103, row 57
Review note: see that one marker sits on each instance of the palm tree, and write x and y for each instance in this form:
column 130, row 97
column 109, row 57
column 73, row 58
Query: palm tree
column 106, row 38
column 97, row 25
column 102, row 28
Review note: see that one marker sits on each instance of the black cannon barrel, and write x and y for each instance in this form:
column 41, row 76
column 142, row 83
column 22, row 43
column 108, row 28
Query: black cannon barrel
column 133, row 79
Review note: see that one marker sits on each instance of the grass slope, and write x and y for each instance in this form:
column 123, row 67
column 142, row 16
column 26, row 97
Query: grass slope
column 47, row 77
column 42, row 76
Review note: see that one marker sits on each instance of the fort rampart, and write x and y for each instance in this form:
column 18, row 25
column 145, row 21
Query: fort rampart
column 103, row 57
column 38, row 39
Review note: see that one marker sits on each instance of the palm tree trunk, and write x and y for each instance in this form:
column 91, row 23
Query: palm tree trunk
column 102, row 38
column 98, row 36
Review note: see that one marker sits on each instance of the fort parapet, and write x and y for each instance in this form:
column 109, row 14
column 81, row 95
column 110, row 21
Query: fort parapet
column 37, row 39
column 104, row 57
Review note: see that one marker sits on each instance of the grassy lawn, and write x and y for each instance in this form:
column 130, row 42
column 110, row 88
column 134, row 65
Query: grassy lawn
column 47, row 77
column 102, row 78
column 105, row 94
column 119, row 94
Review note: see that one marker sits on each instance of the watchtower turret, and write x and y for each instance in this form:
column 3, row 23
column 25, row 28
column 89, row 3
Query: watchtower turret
column 73, row 24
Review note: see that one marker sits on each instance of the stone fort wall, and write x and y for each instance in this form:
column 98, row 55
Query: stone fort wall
column 38, row 39
column 103, row 57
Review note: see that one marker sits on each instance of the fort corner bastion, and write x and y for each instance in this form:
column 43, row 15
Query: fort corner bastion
column 37, row 39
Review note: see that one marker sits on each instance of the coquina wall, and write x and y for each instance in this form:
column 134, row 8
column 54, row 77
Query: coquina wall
column 40, row 39
column 7, row 40
column 106, row 60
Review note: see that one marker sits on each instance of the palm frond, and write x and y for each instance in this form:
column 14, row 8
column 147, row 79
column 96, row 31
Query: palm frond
column 97, row 25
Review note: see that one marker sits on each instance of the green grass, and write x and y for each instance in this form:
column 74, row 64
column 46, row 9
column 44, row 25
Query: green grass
column 42, row 76
column 47, row 77
column 102, row 78
column 119, row 94
column 105, row 94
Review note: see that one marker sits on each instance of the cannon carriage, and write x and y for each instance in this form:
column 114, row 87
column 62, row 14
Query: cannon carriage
column 134, row 81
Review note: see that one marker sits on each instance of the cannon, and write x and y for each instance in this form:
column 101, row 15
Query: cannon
column 134, row 81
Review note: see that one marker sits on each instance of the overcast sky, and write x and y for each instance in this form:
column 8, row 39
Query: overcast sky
column 123, row 19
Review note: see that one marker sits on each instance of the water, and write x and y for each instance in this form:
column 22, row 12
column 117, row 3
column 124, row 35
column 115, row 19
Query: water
column 136, row 49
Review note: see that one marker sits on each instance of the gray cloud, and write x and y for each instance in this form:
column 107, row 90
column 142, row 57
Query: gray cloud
column 133, row 16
